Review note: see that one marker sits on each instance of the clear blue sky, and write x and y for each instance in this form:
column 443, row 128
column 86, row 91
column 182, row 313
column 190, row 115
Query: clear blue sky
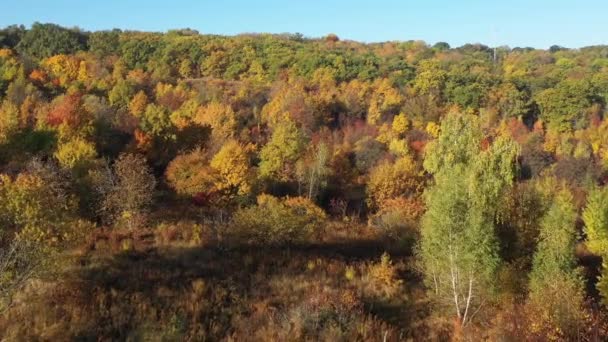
column 537, row 23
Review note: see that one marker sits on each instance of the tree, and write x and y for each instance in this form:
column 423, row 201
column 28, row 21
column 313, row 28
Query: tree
column 64, row 68
column 75, row 153
column 127, row 189
column 430, row 78
column 313, row 171
column 120, row 94
column 458, row 246
column 11, row 35
column 189, row 173
column 391, row 180
column 137, row 105
column 595, row 217
column 220, row 117
column 510, row 101
column 105, row 43
column 20, row 261
column 65, row 111
column 385, row 100
column 156, row 121
column 556, row 289
column 9, row 120
column 39, row 207
column 280, row 153
column 233, row 169
column 46, row 40
column 565, row 106
column 400, row 124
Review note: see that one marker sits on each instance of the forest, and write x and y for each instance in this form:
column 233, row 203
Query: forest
column 182, row 186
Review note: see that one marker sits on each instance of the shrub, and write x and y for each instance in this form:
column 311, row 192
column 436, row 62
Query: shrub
column 275, row 220
column 381, row 279
column 399, row 217
column 184, row 231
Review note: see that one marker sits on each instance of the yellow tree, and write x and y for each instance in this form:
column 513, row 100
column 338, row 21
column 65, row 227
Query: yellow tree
column 385, row 100
column 189, row 174
column 391, row 180
column 430, row 78
column 220, row 117
column 138, row 104
column 233, row 169
column 63, row 67
column 75, row 152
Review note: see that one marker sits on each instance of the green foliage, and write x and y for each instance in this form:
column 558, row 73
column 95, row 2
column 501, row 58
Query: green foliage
column 595, row 217
column 136, row 49
column 457, row 144
column 458, row 234
column 556, row 287
column 46, row 40
column 105, row 43
column 156, row 121
column 121, row 93
column 344, row 124
column 280, row 153
column 565, row 107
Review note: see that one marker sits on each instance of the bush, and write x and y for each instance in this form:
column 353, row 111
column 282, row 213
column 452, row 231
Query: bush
column 187, row 232
column 399, row 217
column 275, row 220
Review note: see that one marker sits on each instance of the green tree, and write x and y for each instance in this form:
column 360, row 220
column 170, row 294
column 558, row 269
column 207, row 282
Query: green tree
column 565, row 106
column 280, row 153
column 46, row 40
column 556, row 288
column 458, row 246
column 105, row 43
column 595, row 216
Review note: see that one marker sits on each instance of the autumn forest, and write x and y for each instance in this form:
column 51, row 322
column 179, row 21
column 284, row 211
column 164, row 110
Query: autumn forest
column 182, row 186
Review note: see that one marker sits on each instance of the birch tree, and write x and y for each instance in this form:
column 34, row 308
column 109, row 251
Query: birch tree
column 458, row 248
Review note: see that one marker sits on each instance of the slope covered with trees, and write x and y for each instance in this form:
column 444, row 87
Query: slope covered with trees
column 183, row 186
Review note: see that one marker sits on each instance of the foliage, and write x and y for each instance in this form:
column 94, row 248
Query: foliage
column 45, row 40
column 391, row 180
column 555, row 284
column 233, row 169
column 127, row 189
column 595, row 217
column 275, row 220
column 189, row 174
column 280, row 153
column 369, row 132
column 75, row 153
column 458, row 244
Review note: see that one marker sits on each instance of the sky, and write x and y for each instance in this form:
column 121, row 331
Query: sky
column 535, row 23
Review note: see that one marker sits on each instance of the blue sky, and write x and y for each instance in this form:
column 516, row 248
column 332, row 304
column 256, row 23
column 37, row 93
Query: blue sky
column 537, row 23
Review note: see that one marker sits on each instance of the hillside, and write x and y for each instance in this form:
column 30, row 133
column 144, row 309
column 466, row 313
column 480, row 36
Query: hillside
column 184, row 186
